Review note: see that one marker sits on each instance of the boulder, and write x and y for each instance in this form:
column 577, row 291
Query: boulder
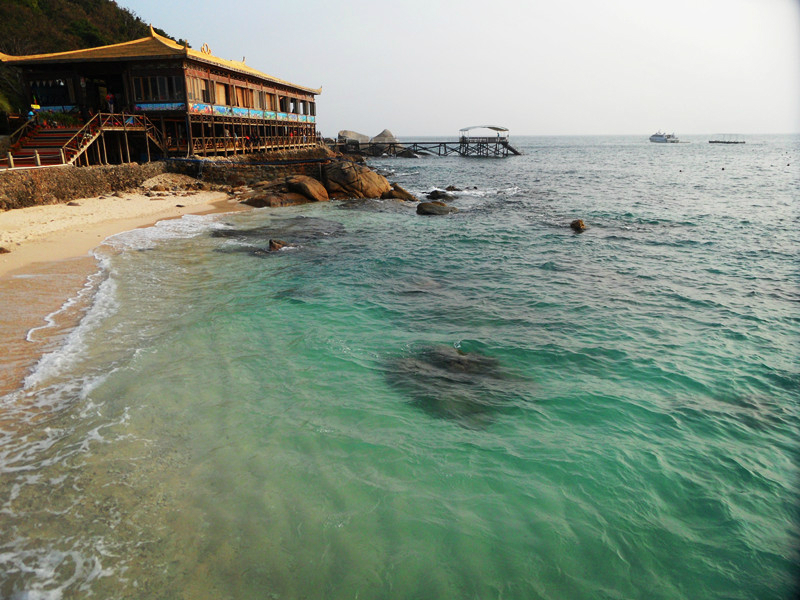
column 344, row 179
column 275, row 198
column 399, row 193
column 435, row 208
column 308, row 187
column 384, row 137
column 439, row 195
column 275, row 245
column 346, row 134
column 578, row 225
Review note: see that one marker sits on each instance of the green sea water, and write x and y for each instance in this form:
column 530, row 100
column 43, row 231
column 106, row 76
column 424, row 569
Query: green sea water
column 483, row 405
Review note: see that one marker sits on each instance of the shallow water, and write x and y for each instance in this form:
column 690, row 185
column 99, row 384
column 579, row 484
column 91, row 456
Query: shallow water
column 482, row 405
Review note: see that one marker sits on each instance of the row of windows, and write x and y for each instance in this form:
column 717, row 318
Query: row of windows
column 200, row 90
column 161, row 88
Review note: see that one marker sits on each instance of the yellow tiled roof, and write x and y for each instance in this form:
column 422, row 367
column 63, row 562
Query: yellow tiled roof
column 154, row 46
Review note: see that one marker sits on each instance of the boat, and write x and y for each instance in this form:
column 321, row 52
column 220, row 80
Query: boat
column 726, row 138
column 664, row 138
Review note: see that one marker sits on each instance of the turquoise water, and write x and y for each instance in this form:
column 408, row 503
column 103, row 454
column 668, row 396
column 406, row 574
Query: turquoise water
column 484, row 405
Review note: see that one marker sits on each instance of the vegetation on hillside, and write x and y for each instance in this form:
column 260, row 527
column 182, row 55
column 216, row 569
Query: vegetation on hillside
column 41, row 26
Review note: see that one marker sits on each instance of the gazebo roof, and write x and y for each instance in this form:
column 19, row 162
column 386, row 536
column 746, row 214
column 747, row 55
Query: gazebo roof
column 154, row 46
column 492, row 127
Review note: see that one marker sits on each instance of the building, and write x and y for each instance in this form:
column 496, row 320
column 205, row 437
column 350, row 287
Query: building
column 166, row 98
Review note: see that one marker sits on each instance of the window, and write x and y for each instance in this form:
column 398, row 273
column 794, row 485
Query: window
column 161, row 88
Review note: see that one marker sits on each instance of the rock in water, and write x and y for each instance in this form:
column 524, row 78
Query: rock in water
column 448, row 383
column 578, row 225
column 435, row 208
column 399, row 193
column 308, row 187
column 440, row 195
column 275, row 245
column 345, row 179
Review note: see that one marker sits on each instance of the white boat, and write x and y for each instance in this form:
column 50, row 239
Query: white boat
column 664, row 138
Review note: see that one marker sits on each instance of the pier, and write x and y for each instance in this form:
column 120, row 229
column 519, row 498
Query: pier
column 466, row 145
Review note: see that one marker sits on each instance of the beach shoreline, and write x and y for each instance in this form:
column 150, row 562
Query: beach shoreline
column 50, row 261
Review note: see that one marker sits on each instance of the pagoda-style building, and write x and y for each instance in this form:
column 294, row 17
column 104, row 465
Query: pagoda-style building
column 150, row 96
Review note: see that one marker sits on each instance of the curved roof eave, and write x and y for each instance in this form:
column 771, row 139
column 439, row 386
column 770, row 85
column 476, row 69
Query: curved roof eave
column 154, row 46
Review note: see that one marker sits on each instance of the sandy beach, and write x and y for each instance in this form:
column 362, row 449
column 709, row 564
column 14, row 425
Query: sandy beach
column 49, row 260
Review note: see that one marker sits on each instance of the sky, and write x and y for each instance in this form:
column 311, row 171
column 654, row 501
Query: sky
column 560, row 67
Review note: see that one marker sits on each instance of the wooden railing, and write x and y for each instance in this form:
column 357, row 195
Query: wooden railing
column 244, row 145
column 79, row 142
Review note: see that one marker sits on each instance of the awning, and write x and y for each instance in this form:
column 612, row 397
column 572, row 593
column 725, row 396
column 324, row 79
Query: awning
column 492, row 127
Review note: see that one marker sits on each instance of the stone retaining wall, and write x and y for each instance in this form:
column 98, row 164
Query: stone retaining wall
column 51, row 185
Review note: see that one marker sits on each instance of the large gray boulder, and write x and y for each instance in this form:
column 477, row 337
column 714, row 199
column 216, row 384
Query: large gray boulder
column 384, row 137
column 346, row 134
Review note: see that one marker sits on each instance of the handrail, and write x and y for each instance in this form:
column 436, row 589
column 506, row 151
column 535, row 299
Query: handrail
column 82, row 131
column 20, row 132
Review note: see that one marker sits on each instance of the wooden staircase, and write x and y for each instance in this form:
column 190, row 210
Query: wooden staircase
column 39, row 146
column 47, row 144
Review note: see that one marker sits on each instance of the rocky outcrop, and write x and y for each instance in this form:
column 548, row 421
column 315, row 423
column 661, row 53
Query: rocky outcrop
column 384, row 137
column 399, row 193
column 308, row 187
column 346, row 134
column 272, row 193
column 435, row 208
column 345, row 179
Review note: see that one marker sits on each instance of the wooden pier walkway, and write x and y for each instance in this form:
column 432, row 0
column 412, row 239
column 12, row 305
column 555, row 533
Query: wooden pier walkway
column 497, row 147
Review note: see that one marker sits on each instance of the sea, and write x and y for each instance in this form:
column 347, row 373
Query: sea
column 482, row 405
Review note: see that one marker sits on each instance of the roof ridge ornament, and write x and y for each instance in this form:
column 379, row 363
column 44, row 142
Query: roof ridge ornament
column 205, row 49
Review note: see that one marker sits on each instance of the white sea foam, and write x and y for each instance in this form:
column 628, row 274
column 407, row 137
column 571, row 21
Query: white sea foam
column 144, row 239
column 44, row 570
column 54, row 363
column 50, row 320
column 104, row 287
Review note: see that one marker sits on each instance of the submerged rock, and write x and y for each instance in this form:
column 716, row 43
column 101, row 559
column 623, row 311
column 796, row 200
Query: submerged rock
column 260, row 241
column 435, row 208
column 448, row 383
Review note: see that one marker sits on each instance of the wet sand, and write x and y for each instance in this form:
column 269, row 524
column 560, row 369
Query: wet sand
column 50, row 262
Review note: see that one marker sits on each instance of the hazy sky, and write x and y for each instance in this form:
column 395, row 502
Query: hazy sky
column 430, row 67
